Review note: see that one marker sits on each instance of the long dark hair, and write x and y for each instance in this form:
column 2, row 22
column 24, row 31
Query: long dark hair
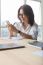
column 28, row 12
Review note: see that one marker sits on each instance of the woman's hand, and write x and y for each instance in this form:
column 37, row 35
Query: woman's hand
column 12, row 30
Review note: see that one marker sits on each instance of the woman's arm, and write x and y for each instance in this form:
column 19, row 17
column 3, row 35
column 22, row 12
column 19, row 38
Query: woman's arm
column 24, row 35
column 13, row 30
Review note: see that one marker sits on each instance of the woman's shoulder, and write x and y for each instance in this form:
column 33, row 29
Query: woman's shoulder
column 35, row 26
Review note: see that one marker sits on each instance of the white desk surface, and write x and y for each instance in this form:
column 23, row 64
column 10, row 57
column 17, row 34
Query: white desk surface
column 23, row 56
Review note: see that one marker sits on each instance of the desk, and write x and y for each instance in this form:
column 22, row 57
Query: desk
column 21, row 56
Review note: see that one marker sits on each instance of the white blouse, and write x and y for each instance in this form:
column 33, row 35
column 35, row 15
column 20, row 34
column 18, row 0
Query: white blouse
column 30, row 30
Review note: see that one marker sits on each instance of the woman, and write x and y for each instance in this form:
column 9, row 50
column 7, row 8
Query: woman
column 28, row 28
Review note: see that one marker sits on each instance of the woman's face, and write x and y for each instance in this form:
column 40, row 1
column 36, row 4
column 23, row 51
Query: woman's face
column 23, row 17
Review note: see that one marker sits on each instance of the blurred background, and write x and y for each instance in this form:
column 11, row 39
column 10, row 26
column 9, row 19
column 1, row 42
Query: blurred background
column 9, row 10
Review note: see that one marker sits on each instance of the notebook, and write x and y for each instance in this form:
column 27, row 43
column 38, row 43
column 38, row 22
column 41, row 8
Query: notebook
column 37, row 43
column 10, row 46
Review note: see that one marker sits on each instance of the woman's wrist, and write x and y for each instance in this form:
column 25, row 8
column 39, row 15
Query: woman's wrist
column 19, row 31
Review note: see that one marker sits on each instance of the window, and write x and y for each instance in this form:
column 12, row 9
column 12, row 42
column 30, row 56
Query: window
column 9, row 9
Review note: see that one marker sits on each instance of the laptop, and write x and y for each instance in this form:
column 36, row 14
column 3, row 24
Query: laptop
column 10, row 46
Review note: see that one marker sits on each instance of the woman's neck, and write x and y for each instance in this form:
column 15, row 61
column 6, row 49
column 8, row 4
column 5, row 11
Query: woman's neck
column 25, row 25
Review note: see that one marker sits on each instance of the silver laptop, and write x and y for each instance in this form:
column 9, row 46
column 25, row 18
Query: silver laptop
column 10, row 46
